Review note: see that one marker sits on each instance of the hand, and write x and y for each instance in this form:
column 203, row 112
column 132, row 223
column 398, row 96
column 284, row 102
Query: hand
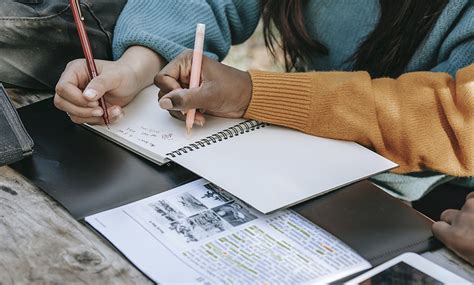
column 456, row 229
column 224, row 91
column 118, row 81
column 115, row 80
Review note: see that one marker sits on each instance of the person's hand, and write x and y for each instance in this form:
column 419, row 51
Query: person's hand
column 224, row 91
column 118, row 81
column 79, row 97
column 456, row 229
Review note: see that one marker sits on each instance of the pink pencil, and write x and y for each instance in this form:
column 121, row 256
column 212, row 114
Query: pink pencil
column 195, row 70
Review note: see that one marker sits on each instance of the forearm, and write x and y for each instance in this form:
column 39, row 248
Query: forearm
column 421, row 120
column 144, row 63
column 167, row 26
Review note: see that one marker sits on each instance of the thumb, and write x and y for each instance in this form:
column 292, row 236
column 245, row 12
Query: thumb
column 100, row 85
column 442, row 232
column 185, row 99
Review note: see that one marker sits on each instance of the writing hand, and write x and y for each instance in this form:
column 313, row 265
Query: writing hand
column 118, row 81
column 224, row 91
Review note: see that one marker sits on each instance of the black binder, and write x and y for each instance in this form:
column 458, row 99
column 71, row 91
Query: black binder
column 88, row 174
column 15, row 143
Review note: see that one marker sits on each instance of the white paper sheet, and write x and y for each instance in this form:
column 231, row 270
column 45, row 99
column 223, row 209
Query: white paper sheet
column 275, row 167
column 198, row 233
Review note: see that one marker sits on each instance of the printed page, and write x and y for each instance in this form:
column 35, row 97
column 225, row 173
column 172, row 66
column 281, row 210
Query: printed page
column 147, row 126
column 198, row 233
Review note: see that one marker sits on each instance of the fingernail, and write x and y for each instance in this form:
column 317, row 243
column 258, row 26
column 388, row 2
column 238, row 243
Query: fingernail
column 120, row 116
column 199, row 123
column 90, row 93
column 93, row 104
column 116, row 112
column 166, row 104
column 97, row 113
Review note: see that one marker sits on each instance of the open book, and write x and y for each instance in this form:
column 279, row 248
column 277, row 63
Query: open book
column 268, row 167
column 200, row 234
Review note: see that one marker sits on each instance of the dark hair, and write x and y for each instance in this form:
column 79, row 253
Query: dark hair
column 386, row 51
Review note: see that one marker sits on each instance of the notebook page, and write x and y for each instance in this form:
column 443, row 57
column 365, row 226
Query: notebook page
column 148, row 126
column 275, row 167
column 199, row 234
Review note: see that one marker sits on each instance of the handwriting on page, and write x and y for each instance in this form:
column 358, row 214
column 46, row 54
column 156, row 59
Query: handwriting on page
column 127, row 132
column 145, row 135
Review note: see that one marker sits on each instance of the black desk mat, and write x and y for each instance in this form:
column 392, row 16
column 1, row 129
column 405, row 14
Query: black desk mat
column 88, row 174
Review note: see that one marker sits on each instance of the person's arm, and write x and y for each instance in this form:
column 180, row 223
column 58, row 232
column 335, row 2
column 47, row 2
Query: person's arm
column 168, row 26
column 421, row 120
column 149, row 33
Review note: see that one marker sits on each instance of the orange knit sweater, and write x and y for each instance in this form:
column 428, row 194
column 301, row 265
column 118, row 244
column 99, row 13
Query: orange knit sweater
column 421, row 120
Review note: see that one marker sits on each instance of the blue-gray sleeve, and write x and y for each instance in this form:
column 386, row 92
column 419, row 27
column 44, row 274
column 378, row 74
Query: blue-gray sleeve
column 168, row 26
column 457, row 49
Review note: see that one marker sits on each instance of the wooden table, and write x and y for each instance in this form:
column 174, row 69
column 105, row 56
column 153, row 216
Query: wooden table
column 42, row 244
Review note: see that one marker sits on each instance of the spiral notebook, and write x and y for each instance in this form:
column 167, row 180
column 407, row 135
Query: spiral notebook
column 266, row 166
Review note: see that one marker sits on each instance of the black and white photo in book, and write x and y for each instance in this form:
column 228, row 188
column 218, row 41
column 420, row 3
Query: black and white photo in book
column 216, row 193
column 193, row 216
column 190, row 203
column 234, row 213
column 164, row 210
column 204, row 235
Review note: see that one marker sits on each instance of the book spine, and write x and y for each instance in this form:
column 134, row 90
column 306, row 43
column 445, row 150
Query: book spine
column 239, row 129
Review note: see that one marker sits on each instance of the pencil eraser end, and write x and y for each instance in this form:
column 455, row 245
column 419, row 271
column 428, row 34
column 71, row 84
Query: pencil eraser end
column 201, row 28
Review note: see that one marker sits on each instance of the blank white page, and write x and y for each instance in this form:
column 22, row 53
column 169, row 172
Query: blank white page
column 274, row 167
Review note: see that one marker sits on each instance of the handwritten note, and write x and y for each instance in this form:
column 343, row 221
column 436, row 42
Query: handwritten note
column 145, row 136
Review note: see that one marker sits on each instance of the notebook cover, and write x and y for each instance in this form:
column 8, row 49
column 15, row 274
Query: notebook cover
column 88, row 174
column 378, row 226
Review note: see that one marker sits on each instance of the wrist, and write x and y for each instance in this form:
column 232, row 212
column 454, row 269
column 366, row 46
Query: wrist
column 247, row 91
column 144, row 63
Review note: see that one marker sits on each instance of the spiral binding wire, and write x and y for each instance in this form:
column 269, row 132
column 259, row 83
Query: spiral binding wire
column 239, row 129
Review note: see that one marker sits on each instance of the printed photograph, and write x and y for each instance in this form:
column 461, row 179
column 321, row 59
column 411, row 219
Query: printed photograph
column 166, row 212
column 198, row 227
column 215, row 193
column 190, row 204
column 235, row 214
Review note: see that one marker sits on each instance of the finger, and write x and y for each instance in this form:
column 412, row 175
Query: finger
column 178, row 115
column 166, row 83
column 69, row 89
column 470, row 195
column 176, row 73
column 102, row 84
column 449, row 215
column 199, row 119
column 76, row 73
column 90, row 120
column 115, row 113
column 442, row 232
column 185, row 99
column 161, row 94
column 468, row 205
column 84, row 112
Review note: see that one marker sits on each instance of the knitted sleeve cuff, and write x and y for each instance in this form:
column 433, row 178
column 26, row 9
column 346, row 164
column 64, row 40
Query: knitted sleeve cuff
column 281, row 99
